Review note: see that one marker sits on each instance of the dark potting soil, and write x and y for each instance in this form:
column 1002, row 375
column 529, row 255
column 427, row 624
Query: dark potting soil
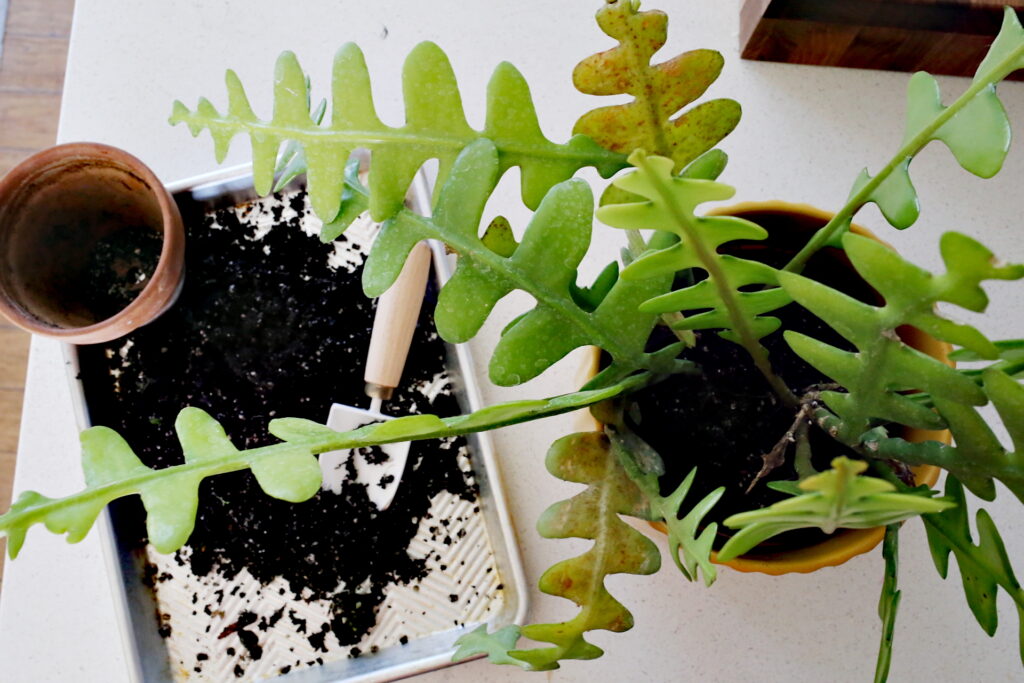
column 118, row 268
column 723, row 420
column 264, row 329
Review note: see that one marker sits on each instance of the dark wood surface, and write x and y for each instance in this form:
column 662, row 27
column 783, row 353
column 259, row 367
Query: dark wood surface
column 939, row 36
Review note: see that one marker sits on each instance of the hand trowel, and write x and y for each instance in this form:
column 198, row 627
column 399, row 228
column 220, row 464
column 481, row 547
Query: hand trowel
column 380, row 468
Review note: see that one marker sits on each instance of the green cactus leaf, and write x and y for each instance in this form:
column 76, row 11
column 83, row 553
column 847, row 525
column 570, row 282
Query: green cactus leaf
column 668, row 204
column 888, row 602
column 1005, row 54
column 839, row 498
column 435, row 128
column 171, row 504
column 895, row 195
column 590, row 298
column 984, row 567
column 978, row 456
column 544, row 264
column 106, row 457
column 974, row 128
column 495, row 645
column 1008, row 349
column 692, row 550
column 285, row 470
column 291, row 163
column 978, row 136
column 201, row 437
column 352, row 206
column 293, row 476
column 883, row 365
column 689, row 550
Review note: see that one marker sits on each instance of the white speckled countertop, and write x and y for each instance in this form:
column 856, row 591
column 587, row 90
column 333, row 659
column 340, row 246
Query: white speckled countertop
column 805, row 134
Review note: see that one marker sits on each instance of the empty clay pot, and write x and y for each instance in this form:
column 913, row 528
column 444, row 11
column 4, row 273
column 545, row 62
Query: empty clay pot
column 91, row 244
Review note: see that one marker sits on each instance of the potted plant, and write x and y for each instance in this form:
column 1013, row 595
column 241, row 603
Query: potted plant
column 696, row 278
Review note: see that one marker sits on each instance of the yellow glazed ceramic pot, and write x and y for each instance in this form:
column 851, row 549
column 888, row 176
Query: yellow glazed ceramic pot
column 845, row 543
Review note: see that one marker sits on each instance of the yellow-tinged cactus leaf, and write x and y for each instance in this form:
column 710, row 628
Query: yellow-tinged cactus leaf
column 660, row 91
column 593, row 514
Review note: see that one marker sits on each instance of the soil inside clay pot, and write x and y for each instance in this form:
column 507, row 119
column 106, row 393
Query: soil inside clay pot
column 273, row 323
column 724, row 420
column 117, row 269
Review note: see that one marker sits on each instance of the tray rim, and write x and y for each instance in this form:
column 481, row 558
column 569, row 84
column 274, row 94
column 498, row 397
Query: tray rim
column 420, row 195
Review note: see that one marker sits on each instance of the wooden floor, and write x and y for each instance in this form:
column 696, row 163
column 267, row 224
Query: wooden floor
column 35, row 49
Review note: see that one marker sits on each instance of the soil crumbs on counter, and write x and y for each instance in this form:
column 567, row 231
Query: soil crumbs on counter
column 272, row 323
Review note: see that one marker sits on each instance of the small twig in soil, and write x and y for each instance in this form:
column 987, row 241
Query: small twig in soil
column 777, row 455
column 797, row 433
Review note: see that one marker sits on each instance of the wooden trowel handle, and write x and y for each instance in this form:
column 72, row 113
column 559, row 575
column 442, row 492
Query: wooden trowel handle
column 398, row 309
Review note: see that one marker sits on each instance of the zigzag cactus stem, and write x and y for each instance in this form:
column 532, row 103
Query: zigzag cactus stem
column 1005, row 57
column 736, row 317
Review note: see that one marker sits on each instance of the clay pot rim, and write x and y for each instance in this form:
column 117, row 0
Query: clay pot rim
column 147, row 305
column 844, row 544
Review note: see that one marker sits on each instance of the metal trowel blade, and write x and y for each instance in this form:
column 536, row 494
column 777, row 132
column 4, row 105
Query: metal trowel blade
column 381, row 479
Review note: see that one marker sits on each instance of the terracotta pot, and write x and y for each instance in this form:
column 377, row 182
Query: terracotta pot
column 55, row 208
column 844, row 543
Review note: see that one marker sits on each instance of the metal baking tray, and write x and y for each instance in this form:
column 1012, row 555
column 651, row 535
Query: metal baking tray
column 146, row 652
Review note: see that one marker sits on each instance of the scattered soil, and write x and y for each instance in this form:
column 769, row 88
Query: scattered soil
column 724, row 420
column 264, row 328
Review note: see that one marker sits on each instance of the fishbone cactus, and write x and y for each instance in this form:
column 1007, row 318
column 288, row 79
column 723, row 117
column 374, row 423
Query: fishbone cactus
column 544, row 265
column 660, row 91
column 668, row 204
column 975, row 128
column 839, row 498
column 594, row 514
column 884, row 366
column 435, row 128
column 286, row 470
